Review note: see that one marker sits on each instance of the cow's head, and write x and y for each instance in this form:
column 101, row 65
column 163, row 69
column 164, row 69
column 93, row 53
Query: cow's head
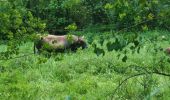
column 79, row 43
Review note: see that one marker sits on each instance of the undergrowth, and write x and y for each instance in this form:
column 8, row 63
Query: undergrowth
column 86, row 76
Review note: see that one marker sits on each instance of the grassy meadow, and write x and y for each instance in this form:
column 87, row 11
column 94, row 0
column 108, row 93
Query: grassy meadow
column 86, row 76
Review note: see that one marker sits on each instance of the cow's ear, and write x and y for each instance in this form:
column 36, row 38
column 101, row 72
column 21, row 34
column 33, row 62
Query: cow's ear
column 82, row 37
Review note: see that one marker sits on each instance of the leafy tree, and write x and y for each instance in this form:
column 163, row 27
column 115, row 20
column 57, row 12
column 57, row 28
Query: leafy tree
column 17, row 25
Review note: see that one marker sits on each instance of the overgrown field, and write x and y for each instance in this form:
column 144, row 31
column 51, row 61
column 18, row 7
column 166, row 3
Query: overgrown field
column 136, row 74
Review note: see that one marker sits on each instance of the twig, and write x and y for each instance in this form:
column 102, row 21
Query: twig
column 163, row 74
column 137, row 24
column 125, row 81
column 158, row 73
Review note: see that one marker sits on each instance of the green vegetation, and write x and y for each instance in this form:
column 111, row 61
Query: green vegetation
column 84, row 75
column 125, row 58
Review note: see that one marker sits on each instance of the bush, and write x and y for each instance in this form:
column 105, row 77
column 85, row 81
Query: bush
column 17, row 25
column 118, row 14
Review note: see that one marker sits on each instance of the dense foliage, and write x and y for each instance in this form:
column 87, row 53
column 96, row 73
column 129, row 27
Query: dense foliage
column 17, row 25
column 20, row 18
column 124, row 58
column 144, row 74
column 115, row 13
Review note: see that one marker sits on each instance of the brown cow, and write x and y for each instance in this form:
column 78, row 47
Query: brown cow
column 59, row 43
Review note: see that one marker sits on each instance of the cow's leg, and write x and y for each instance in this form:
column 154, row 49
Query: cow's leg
column 36, row 51
column 37, row 47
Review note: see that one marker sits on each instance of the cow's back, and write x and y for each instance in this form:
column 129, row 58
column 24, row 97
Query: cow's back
column 58, row 42
column 55, row 41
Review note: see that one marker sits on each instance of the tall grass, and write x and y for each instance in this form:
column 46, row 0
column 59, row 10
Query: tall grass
column 84, row 75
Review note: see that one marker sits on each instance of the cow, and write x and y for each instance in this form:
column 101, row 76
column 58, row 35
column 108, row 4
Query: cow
column 59, row 43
